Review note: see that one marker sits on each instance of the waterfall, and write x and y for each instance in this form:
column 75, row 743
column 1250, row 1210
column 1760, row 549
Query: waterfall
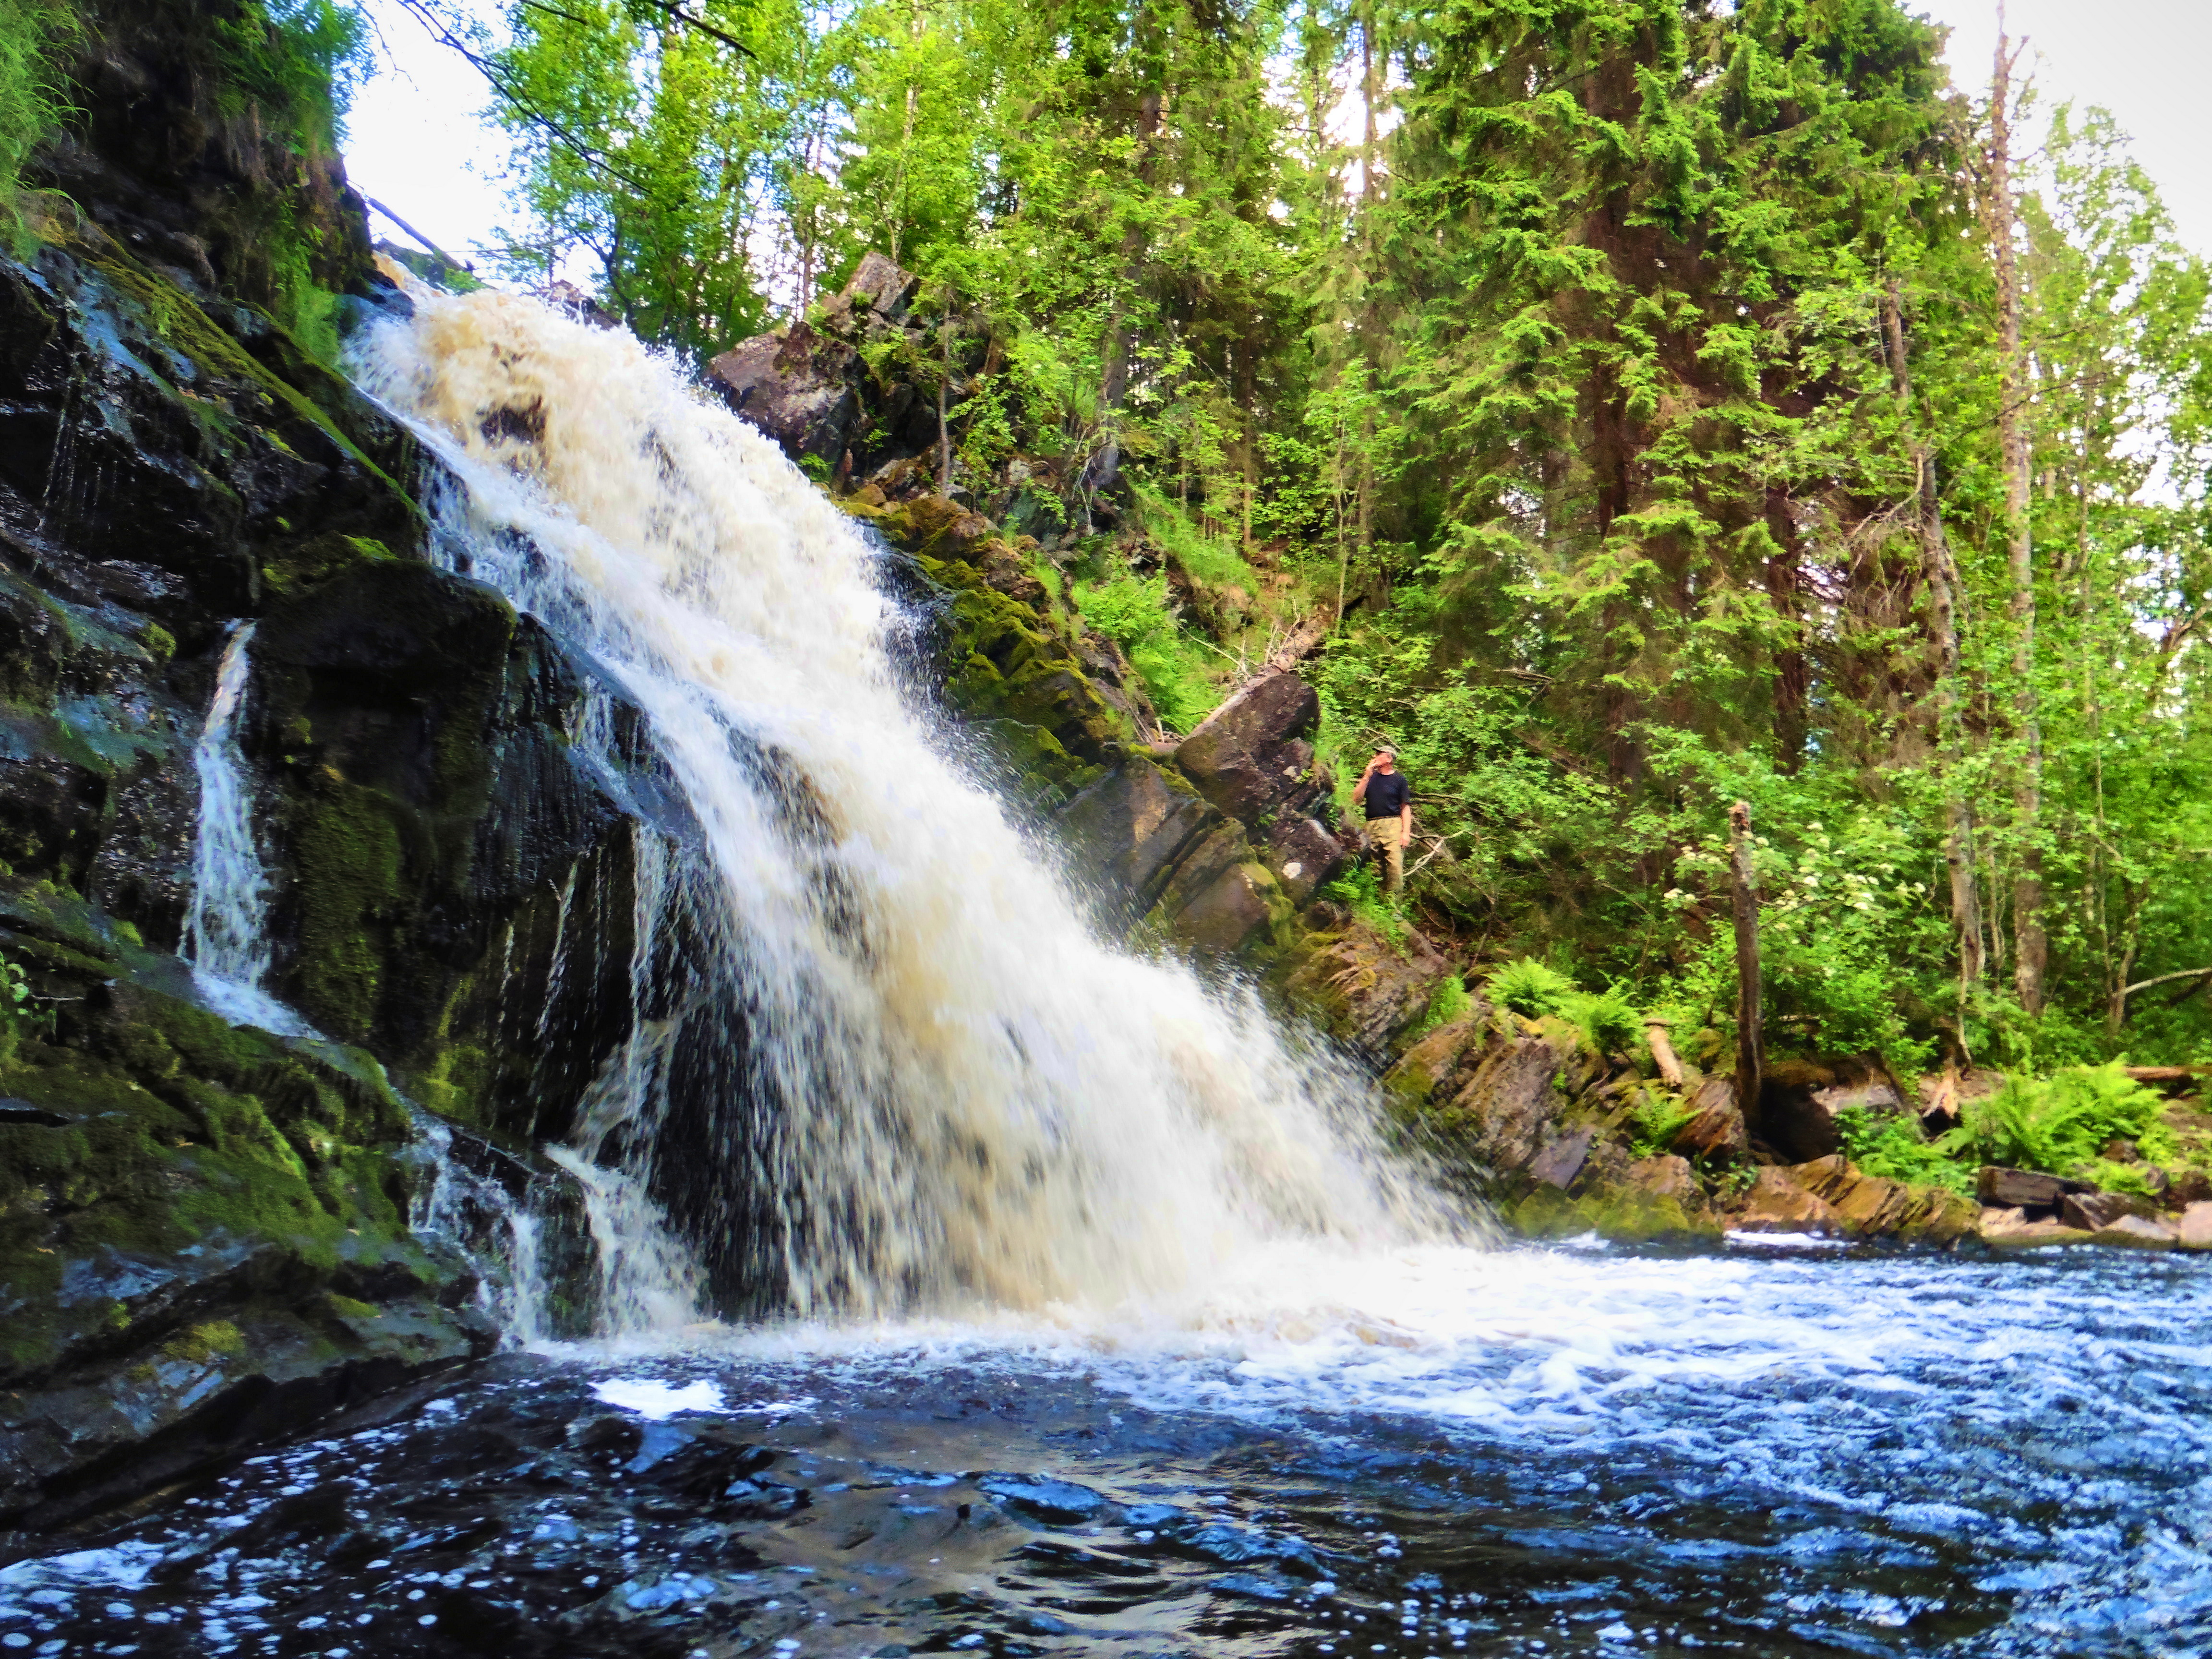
column 881, row 1059
column 226, row 924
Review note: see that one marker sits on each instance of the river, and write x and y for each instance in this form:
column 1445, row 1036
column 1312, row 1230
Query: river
column 1769, row 1450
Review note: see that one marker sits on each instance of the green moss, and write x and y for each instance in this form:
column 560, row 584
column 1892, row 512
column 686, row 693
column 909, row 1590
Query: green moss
column 350, row 866
column 1625, row 1216
column 458, row 1086
column 216, row 1340
column 172, row 317
column 319, row 558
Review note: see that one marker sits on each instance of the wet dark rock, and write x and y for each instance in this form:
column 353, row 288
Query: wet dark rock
column 1133, row 830
column 1058, row 1503
column 1250, row 756
column 204, row 1235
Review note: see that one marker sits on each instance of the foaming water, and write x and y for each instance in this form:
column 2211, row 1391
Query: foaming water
column 1530, row 1453
column 951, row 1091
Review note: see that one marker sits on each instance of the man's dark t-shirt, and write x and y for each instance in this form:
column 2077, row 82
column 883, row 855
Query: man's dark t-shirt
column 1387, row 794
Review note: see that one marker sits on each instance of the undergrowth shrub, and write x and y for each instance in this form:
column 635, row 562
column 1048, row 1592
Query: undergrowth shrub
column 1891, row 1147
column 1134, row 612
column 1608, row 1021
column 1448, row 1002
column 2062, row 1123
column 1528, row 987
column 33, row 35
column 1653, row 1125
column 1359, row 889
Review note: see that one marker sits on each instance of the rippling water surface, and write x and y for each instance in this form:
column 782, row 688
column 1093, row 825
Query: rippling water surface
column 1438, row 1452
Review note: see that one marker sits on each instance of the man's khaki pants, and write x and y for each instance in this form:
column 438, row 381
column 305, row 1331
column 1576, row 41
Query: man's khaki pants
column 1388, row 836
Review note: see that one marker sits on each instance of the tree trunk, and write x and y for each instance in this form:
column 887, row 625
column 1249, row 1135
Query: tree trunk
column 1940, row 574
column 2031, row 948
column 1750, row 1040
column 1114, row 383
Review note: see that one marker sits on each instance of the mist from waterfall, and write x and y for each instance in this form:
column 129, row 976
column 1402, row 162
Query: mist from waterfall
column 933, row 1084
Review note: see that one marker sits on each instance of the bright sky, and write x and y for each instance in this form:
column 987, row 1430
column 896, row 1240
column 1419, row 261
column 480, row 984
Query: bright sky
column 417, row 145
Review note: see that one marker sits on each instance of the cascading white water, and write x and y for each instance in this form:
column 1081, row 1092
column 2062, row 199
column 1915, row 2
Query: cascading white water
column 962, row 1094
column 226, row 923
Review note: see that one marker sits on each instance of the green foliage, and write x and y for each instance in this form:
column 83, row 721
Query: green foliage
column 1582, row 394
column 1890, row 1144
column 1609, row 1023
column 2063, row 1124
column 1528, row 987
column 1655, row 1122
column 33, row 35
column 19, row 1017
column 1448, row 1002
column 1359, row 889
column 1134, row 612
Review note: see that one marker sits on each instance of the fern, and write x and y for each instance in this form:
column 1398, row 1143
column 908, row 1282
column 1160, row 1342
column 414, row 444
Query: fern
column 2062, row 1123
column 1528, row 987
column 1654, row 1125
column 1891, row 1146
column 1609, row 1022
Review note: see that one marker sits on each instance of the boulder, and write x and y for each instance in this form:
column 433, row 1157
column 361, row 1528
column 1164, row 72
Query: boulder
column 1646, row 1201
column 1508, row 1109
column 1562, row 1158
column 2137, row 1232
column 1717, row 1132
column 806, row 385
column 1133, row 827
column 1873, row 1207
column 1435, row 1067
column 2194, row 1230
column 1250, row 755
column 2013, row 1227
column 2095, row 1211
column 2025, row 1189
column 1672, row 1179
column 1366, row 990
column 1303, row 855
column 798, row 386
column 1232, row 909
column 879, row 285
column 1778, row 1203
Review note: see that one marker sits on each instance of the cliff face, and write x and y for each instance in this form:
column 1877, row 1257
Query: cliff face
column 204, row 1230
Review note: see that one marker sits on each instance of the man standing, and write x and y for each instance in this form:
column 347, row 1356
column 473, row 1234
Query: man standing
column 1383, row 792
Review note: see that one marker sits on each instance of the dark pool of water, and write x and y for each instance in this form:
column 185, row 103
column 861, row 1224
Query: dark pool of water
column 1581, row 1454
